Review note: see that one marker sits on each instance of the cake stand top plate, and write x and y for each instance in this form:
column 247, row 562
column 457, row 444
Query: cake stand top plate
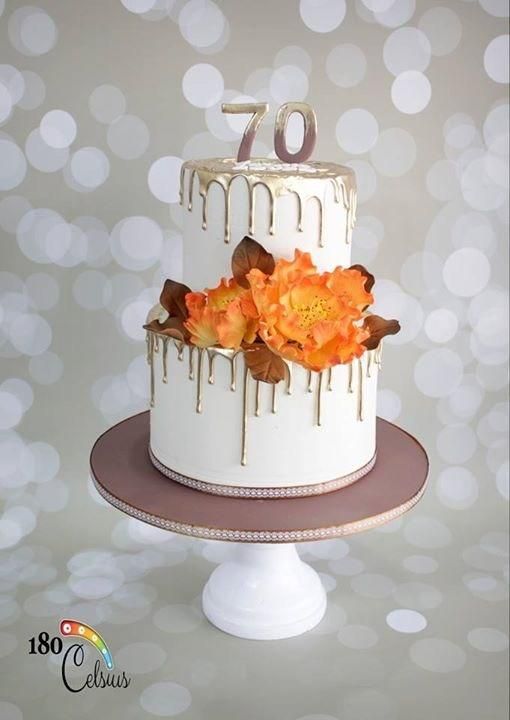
column 125, row 477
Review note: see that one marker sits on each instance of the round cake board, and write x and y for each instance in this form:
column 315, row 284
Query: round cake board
column 264, row 591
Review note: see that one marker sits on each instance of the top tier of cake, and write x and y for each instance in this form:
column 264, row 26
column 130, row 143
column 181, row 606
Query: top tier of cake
column 310, row 206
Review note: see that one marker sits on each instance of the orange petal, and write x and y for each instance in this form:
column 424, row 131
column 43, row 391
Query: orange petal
column 202, row 328
column 195, row 303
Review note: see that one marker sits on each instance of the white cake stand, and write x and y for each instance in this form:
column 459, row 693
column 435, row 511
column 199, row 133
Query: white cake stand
column 264, row 591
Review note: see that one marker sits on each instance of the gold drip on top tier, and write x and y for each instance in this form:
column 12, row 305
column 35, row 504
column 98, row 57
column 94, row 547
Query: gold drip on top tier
column 306, row 181
column 195, row 373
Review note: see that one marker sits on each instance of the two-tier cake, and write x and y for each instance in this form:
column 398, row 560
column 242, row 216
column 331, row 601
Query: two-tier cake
column 264, row 365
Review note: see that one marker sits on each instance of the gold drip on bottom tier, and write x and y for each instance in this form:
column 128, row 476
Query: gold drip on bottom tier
column 357, row 371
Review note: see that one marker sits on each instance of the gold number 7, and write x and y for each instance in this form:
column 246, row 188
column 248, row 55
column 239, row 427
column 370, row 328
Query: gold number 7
column 258, row 111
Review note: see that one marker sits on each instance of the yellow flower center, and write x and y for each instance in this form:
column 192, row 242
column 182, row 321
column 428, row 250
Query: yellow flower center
column 319, row 308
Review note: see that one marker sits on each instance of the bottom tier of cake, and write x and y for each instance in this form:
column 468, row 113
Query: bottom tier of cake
column 216, row 429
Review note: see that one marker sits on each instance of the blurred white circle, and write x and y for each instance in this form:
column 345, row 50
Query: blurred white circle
column 394, row 153
column 90, row 167
column 457, row 488
column 35, row 91
column 322, row 16
column 503, row 480
column 136, row 242
column 442, row 180
column 92, row 290
column 437, row 655
column 30, row 334
column 406, row 621
column 128, row 137
column 58, row 129
column 488, row 639
column 495, row 59
column 389, row 404
column 438, row 373
column 12, row 410
column 398, row 13
column 6, row 104
column 391, row 302
column 366, row 179
column 293, row 55
column 288, row 83
column 420, row 564
column 202, row 85
column 480, row 189
column 441, row 325
column 346, row 65
column 466, row 272
column 136, row 376
column 406, row 49
column 65, row 244
column 32, row 31
column 498, row 8
column 46, row 368
column 164, row 178
column 201, row 23
column 466, row 400
column 42, row 156
column 411, row 92
column 107, row 103
column 357, row 131
column 459, row 131
column 165, row 699
column 138, row 6
column 357, row 637
column 133, row 318
column 377, row 5
column 443, row 28
column 13, row 167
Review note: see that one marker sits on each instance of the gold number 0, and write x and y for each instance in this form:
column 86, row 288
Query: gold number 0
column 258, row 112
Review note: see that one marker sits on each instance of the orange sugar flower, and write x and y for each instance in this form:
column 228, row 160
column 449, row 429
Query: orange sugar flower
column 224, row 316
column 309, row 317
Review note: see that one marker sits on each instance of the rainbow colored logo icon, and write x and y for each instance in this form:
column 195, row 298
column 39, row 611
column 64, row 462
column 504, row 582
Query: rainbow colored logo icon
column 74, row 628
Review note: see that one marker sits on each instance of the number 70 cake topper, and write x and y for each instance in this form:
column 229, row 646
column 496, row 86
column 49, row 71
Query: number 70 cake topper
column 258, row 111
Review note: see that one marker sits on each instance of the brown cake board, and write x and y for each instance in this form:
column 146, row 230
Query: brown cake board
column 264, row 591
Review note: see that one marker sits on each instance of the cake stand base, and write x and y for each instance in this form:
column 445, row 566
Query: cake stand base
column 264, row 592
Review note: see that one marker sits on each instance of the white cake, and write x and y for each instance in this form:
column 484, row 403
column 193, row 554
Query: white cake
column 213, row 426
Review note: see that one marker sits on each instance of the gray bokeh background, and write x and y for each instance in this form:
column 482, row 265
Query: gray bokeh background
column 415, row 98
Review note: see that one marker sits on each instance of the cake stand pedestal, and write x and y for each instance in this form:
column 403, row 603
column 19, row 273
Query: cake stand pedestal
column 264, row 591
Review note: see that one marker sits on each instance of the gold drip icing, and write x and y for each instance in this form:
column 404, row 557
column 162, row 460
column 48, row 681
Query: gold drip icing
column 307, row 180
column 318, row 405
column 148, row 346
column 360, row 390
column 244, row 450
column 191, row 364
column 199, row 380
column 273, row 399
column 151, row 364
column 289, row 379
column 165, row 359
column 211, row 356
column 153, row 341
column 378, row 354
column 257, row 398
